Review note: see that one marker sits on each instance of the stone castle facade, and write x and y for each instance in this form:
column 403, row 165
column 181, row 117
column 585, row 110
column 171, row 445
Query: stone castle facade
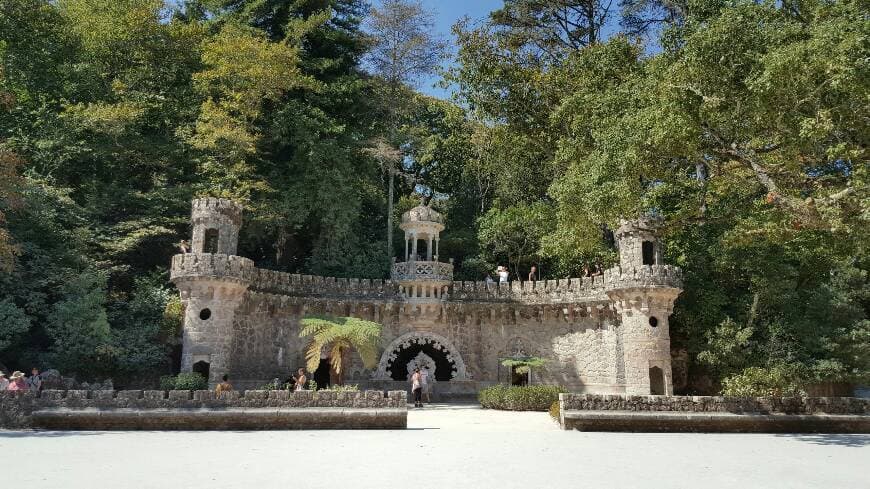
column 603, row 335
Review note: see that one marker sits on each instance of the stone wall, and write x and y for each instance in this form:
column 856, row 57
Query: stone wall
column 714, row 404
column 18, row 408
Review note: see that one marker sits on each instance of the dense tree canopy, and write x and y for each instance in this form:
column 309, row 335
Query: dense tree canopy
column 744, row 125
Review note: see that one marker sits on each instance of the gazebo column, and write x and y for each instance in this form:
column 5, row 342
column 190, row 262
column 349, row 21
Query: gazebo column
column 414, row 249
column 429, row 250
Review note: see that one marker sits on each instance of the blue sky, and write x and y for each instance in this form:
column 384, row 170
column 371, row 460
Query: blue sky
column 447, row 13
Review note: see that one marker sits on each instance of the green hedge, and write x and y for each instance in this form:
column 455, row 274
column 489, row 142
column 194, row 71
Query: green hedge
column 525, row 398
column 192, row 381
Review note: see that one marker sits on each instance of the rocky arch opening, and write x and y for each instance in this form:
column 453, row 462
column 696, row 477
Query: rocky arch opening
column 444, row 368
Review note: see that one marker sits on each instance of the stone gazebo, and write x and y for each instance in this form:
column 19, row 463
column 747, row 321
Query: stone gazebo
column 421, row 277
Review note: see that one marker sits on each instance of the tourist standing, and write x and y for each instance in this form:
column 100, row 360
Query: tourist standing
column 34, row 382
column 4, row 382
column 184, row 246
column 489, row 279
column 533, row 274
column 417, row 387
column 16, row 382
column 300, row 380
column 224, row 386
column 503, row 274
column 424, row 379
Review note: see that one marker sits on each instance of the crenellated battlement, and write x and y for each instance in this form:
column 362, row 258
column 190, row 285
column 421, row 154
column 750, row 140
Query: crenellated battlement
column 588, row 289
column 644, row 276
column 292, row 284
column 209, row 207
column 191, row 266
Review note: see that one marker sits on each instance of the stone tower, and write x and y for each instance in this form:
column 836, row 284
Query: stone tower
column 643, row 291
column 212, row 282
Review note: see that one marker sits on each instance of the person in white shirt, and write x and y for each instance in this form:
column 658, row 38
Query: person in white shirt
column 424, row 379
column 4, row 382
column 503, row 274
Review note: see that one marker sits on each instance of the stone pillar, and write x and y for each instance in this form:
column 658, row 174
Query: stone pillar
column 429, row 249
column 414, row 248
column 436, row 247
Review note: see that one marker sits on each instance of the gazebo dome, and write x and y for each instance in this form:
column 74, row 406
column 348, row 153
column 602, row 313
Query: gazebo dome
column 422, row 213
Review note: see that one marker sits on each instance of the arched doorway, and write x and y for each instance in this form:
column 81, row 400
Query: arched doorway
column 424, row 348
column 202, row 367
column 656, row 381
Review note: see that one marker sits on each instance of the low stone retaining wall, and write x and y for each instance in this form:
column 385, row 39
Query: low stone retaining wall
column 587, row 412
column 199, row 410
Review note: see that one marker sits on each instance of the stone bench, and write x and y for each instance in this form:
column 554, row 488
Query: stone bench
column 220, row 419
column 713, row 422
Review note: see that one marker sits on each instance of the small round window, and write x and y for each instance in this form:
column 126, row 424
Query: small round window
column 205, row 314
column 653, row 321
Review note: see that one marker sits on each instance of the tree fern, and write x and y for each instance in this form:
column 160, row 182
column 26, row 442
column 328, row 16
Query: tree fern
column 340, row 335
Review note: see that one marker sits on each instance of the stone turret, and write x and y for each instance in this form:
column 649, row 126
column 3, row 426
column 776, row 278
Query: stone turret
column 216, row 224
column 212, row 282
column 643, row 291
column 421, row 277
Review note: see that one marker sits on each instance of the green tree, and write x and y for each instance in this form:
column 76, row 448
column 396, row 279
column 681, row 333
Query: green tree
column 340, row 336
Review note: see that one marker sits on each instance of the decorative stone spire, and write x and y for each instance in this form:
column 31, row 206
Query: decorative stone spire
column 421, row 277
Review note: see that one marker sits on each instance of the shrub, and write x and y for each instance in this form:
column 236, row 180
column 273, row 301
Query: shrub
column 167, row 382
column 190, row 381
column 525, row 398
column 777, row 381
column 555, row 411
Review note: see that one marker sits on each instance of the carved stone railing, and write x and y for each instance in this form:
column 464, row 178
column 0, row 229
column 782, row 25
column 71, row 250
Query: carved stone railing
column 645, row 276
column 567, row 290
column 422, row 270
column 208, row 265
column 273, row 282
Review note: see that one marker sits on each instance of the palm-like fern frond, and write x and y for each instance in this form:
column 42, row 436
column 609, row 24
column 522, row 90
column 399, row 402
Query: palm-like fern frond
column 340, row 335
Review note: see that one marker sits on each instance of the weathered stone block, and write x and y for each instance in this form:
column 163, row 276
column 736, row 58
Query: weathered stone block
column 52, row 394
column 254, row 395
column 183, row 395
column 76, row 395
column 103, row 395
column 203, row 395
column 131, row 394
column 154, row 395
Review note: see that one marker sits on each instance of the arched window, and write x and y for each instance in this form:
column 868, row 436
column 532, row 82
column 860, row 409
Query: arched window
column 649, row 253
column 210, row 242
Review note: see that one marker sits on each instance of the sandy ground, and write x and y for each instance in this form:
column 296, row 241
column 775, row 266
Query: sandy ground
column 444, row 447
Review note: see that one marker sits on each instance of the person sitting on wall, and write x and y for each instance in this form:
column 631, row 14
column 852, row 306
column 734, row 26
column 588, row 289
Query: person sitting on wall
column 224, row 386
column 34, row 382
column 586, row 272
column 598, row 270
column 184, row 246
column 16, row 382
column 300, row 380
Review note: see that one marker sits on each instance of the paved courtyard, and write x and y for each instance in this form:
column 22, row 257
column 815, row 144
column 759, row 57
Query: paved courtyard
column 445, row 447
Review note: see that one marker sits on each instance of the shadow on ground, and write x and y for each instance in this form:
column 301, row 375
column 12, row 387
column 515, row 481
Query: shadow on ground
column 844, row 440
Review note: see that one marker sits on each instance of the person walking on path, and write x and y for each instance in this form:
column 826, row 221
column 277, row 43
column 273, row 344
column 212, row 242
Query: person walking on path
column 417, row 387
column 4, row 382
column 224, row 386
column 424, row 380
column 16, row 382
column 300, row 380
column 34, row 382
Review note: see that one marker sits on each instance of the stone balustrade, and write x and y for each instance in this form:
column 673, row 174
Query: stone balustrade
column 647, row 276
column 590, row 412
column 208, row 265
column 567, row 290
column 273, row 282
column 422, row 270
column 157, row 409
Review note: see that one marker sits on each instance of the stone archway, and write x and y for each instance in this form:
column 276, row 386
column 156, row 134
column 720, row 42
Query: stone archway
column 420, row 340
